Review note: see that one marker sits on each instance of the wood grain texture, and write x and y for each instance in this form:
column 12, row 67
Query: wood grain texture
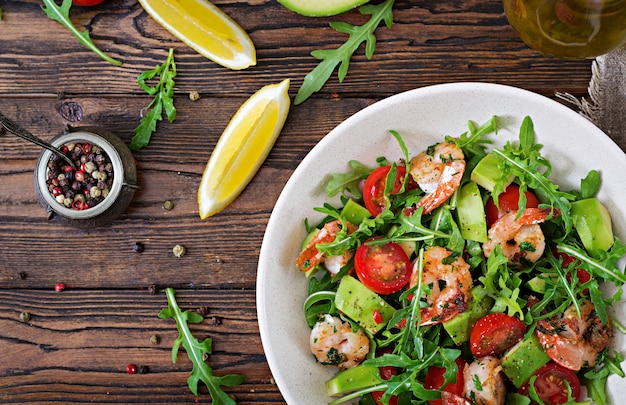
column 78, row 342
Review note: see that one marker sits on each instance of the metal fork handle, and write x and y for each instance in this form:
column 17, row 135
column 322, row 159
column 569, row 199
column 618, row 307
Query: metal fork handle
column 15, row 129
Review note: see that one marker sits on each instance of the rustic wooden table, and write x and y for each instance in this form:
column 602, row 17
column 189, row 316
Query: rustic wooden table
column 77, row 343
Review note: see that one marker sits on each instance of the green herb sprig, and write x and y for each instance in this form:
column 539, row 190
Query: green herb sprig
column 61, row 14
column 330, row 58
column 163, row 93
column 196, row 351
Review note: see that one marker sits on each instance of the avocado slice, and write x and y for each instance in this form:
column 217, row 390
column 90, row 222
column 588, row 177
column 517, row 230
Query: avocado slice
column 538, row 283
column 321, row 8
column 593, row 224
column 523, row 359
column 460, row 327
column 487, row 172
column 471, row 213
column 354, row 212
column 359, row 303
column 352, row 379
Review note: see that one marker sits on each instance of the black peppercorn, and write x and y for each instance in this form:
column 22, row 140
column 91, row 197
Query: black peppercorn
column 138, row 247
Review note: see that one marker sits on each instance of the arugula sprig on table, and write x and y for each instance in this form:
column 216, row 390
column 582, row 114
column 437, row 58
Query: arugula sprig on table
column 163, row 92
column 330, row 58
column 196, row 351
column 61, row 14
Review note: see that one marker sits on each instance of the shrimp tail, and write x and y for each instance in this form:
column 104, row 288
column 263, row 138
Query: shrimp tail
column 450, row 181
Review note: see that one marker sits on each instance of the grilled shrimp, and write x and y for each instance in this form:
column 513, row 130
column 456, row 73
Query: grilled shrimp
column 492, row 389
column 449, row 280
column 311, row 257
column 522, row 239
column 571, row 341
column 438, row 171
column 335, row 344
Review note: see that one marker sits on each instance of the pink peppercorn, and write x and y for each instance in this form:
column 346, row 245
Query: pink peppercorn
column 58, row 287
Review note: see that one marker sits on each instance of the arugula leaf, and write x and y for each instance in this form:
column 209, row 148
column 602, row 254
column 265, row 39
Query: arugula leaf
column 533, row 170
column 315, row 79
column 348, row 181
column 196, row 351
column 163, row 93
column 590, row 185
column 62, row 14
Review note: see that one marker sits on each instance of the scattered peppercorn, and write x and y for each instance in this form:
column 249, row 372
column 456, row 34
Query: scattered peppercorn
column 205, row 356
column 179, row 250
column 24, row 316
column 168, row 205
column 21, row 275
column 58, row 287
column 131, row 369
column 143, row 370
column 139, row 247
column 194, row 96
column 152, row 289
column 203, row 310
column 155, row 340
column 216, row 320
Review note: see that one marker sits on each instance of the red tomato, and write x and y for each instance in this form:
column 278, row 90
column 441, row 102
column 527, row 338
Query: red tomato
column 550, row 384
column 582, row 274
column 508, row 200
column 86, row 2
column 386, row 373
column 493, row 334
column 434, row 381
column 374, row 188
column 384, row 269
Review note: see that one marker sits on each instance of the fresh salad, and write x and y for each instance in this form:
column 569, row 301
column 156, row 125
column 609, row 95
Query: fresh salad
column 463, row 275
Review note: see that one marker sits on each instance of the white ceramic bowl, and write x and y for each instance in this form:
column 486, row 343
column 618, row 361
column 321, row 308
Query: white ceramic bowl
column 422, row 116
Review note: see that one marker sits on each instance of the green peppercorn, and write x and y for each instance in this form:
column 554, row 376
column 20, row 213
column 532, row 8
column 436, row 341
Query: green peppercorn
column 168, row 205
column 24, row 316
column 194, row 96
column 179, row 250
column 155, row 340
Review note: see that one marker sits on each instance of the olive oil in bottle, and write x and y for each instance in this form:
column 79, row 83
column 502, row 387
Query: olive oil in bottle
column 575, row 29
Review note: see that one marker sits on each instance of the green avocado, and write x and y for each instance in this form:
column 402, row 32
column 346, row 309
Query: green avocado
column 593, row 224
column 523, row 359
column 354, row 212
column 538, row 283
column 471, row 213
column 359, row 303
column 352, row 379
column 487, row 172
column 321, row 8
column 460, row 326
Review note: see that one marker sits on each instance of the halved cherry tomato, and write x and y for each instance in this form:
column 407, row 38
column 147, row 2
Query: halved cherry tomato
column 494, row 334
column 86, row 2
column 374, row 188
column 551, row 386
column 434, row 380
column 582, row 274
column 384, row 269
column 386, row 372
column 508, row 200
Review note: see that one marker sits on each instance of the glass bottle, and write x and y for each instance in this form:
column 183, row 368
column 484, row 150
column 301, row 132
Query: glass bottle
column 574, row 29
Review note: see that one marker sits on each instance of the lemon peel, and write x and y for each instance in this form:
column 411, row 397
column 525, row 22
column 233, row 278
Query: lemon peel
column 206, row 29
column 243, row 147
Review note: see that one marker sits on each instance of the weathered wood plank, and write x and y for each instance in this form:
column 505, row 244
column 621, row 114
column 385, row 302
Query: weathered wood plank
column 77, row 344
column 447, row 42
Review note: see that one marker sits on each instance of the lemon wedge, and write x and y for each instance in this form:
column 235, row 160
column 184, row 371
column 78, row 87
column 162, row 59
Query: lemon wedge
column 242, row 147
column 206, row 29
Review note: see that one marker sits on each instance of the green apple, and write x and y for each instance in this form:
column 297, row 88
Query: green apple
column 321, row 8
